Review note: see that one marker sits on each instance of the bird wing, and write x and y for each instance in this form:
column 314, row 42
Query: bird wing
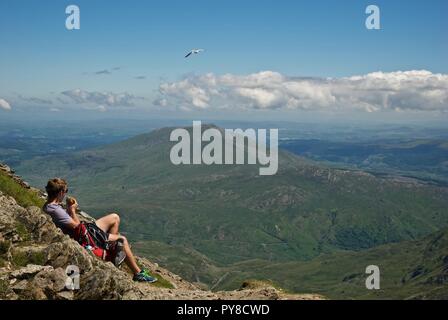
column 189, row 54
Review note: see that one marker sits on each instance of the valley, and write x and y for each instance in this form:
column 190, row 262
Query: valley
column 216, row 225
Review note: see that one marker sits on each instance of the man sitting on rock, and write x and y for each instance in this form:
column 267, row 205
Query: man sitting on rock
column 106, row 228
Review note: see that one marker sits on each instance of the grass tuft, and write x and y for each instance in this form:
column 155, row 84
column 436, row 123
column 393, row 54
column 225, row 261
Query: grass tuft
column 24, row 197
column 23, row 258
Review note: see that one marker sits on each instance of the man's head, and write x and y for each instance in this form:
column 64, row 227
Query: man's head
column 56, row 189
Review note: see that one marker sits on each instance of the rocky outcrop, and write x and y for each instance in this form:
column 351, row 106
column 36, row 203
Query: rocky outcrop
column 35, row 255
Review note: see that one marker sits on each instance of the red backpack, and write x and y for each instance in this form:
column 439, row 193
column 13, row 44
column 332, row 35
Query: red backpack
column 82, row 235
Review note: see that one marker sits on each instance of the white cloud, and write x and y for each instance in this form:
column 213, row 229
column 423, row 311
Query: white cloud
column 400, row 91
column 101, row 99
column 162, row 102
column 101, row 108
column 4, row 104
column 35, row 100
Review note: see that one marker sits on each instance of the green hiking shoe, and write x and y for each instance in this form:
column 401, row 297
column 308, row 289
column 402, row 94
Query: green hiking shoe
column 143, row 276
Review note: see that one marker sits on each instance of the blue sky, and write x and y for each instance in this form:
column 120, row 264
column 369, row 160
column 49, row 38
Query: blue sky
column 39, row 58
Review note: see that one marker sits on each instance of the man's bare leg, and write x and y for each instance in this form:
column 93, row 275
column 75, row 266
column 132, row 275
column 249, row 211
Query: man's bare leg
column 130, row 260
column 109, row 223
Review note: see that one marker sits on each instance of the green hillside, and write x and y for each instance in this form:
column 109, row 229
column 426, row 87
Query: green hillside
column 24, row 197
column 409, row 270
column 230, row 214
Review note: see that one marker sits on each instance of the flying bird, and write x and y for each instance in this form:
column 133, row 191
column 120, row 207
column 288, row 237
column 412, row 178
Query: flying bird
column 194, row 51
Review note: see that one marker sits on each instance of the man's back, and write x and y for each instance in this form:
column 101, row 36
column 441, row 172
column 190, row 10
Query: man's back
column 59, row 216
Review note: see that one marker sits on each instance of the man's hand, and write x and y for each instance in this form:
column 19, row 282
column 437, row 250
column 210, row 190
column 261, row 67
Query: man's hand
column 71, row 209
column 71, row 201
column 72, row 205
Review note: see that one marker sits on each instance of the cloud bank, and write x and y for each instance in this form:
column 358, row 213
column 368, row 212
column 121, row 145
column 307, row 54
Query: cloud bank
column 418, row 90
column 4, row 104
column 102, row 99
column 35, row 100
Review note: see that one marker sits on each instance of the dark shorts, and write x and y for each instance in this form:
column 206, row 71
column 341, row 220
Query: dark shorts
column 100, row 237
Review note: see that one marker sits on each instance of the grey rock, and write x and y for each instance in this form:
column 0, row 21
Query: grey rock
column 68, row 252
column 53, row 279
column 65, row 295
column 39, row 225
column 20, row 286
column 104, row 283
column 5, row 167
column 29, row 271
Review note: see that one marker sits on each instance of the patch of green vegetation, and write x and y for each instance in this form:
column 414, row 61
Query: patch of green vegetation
column 22, row 231
column 161, row 281
column 21, row 258
column 4, row 247
column 4, row 288
column 23, row 196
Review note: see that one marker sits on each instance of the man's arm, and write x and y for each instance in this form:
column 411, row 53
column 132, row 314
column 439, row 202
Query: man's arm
column 71, row 210
column 72, row 224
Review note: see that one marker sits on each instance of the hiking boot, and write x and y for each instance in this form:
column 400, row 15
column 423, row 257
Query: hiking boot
column 120, row 255
column 143, row 276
